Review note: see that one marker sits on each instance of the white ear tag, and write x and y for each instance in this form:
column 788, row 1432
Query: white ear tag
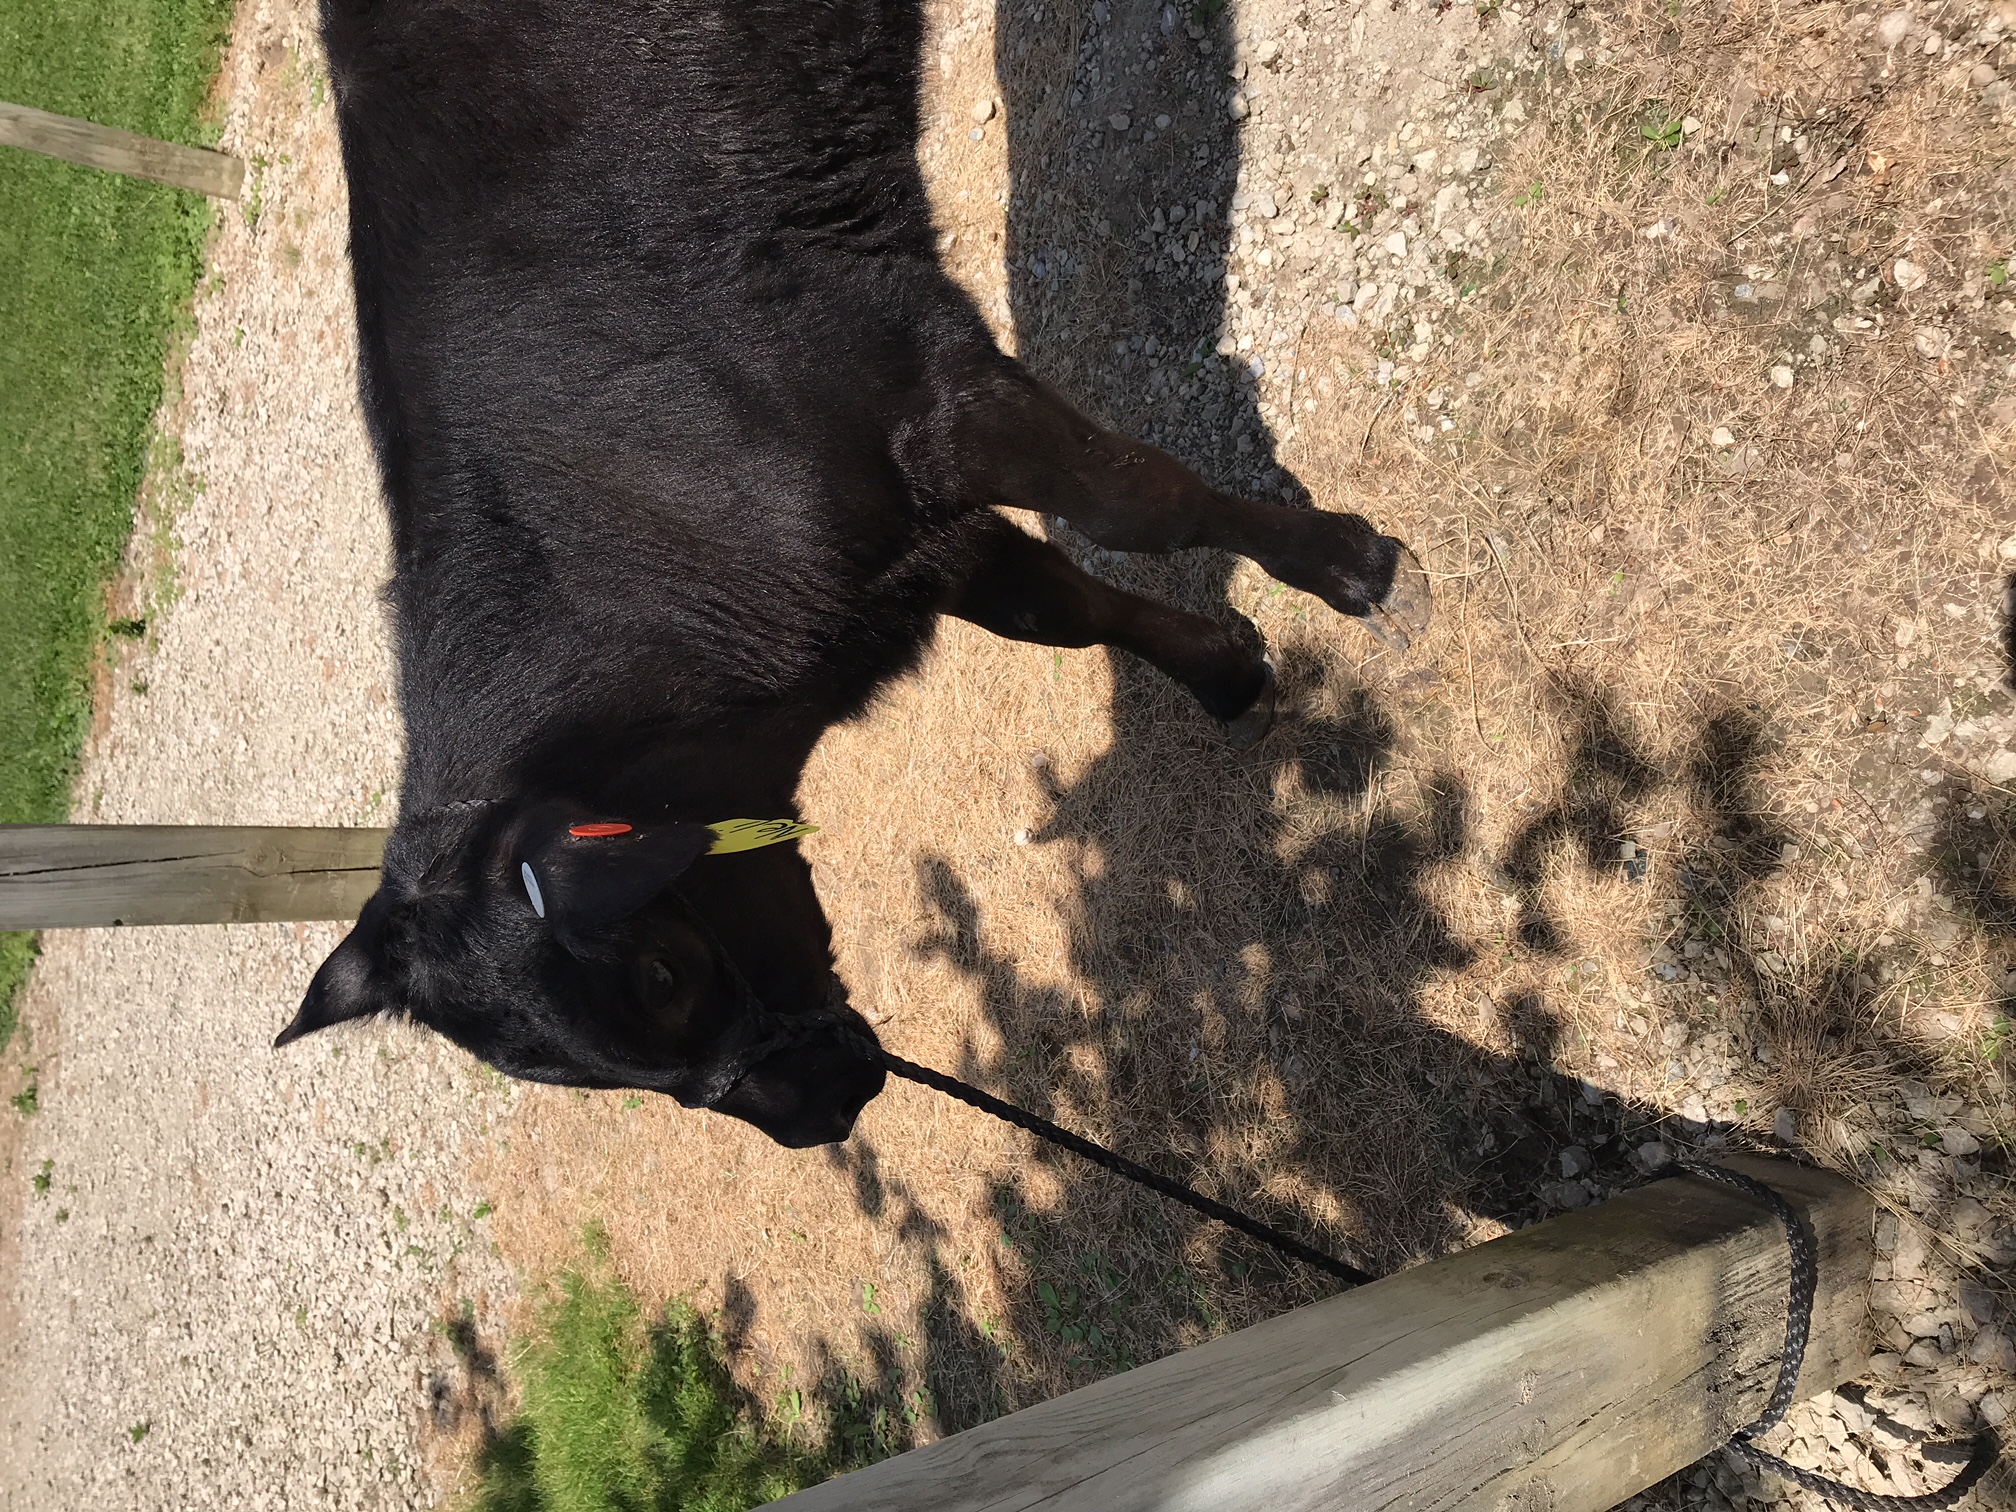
column 532, row 888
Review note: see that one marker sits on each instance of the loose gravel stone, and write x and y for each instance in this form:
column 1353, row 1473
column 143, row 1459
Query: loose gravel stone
column 1994, row 1349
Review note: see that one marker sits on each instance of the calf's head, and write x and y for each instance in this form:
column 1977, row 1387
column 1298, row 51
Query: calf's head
column 562, row 946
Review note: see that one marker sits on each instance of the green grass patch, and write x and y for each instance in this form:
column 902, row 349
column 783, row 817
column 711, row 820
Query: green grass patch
column 98, row 273
column 623, row 1413
column 1659, row 131
column 17, row 953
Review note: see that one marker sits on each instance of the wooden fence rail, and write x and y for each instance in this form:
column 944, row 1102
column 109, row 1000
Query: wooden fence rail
column 116, row 151
column 1565, row 1367
column 72, row 876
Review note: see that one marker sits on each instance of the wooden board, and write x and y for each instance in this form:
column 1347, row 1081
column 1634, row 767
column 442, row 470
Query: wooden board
column 1564, row 1368
column 67, row 876
column 117, row 151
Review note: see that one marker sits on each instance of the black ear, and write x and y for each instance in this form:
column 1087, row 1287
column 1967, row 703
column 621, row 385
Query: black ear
column 350, row 983
column 583, row 880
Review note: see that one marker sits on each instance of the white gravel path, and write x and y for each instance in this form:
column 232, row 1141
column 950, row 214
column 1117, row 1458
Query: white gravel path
column 243, row 1250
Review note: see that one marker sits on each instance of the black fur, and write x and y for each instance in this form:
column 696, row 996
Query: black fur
column 687, row 440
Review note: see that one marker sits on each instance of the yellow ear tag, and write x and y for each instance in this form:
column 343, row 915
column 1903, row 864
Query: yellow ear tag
column 753, row 834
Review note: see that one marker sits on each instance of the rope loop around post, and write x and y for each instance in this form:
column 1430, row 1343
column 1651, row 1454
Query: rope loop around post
column 1805, row 1284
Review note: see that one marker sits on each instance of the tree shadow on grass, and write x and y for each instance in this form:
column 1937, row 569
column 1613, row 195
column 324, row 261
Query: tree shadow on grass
column 878, row 1407
column 2009, row 630
column 1974, row 857
column 1603, row 776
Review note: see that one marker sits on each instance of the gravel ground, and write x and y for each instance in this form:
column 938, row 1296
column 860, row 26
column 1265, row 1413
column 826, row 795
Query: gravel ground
column 224, row 1295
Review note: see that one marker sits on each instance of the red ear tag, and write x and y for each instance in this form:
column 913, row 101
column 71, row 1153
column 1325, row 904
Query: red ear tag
column 598, row 831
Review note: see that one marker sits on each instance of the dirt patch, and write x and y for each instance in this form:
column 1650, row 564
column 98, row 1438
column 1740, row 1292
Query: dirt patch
column 26, row 1061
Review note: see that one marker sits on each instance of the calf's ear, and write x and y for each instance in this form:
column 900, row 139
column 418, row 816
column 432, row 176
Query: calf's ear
column 350, row 983
column 582, row 876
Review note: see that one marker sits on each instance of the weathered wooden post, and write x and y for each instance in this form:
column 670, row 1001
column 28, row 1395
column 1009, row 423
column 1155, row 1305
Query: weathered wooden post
column 83, row 876
column 1564, row 1368
column 116, row 151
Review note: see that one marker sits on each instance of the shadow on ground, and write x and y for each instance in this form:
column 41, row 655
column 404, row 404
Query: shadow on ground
column 1254, row 968
column 1253, row 935
column 1253, row 1023
column 1258, row 1029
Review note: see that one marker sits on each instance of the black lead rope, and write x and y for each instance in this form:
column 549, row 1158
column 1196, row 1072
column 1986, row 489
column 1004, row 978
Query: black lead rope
column 828, row 1019
column 1798, row 1332
column 1798, row 1306
column 1120, row 1165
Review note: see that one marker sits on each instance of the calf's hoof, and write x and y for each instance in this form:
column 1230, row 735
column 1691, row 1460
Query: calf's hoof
column 1245, row 731
column 1404, row 613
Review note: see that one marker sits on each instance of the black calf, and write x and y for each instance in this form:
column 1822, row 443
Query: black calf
column 687, row 441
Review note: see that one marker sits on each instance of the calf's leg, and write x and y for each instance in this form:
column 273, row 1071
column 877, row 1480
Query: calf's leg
column 1025, row 589
column 1017, row 442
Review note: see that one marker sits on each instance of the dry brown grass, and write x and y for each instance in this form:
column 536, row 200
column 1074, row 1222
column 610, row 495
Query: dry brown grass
column 1350, row 979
